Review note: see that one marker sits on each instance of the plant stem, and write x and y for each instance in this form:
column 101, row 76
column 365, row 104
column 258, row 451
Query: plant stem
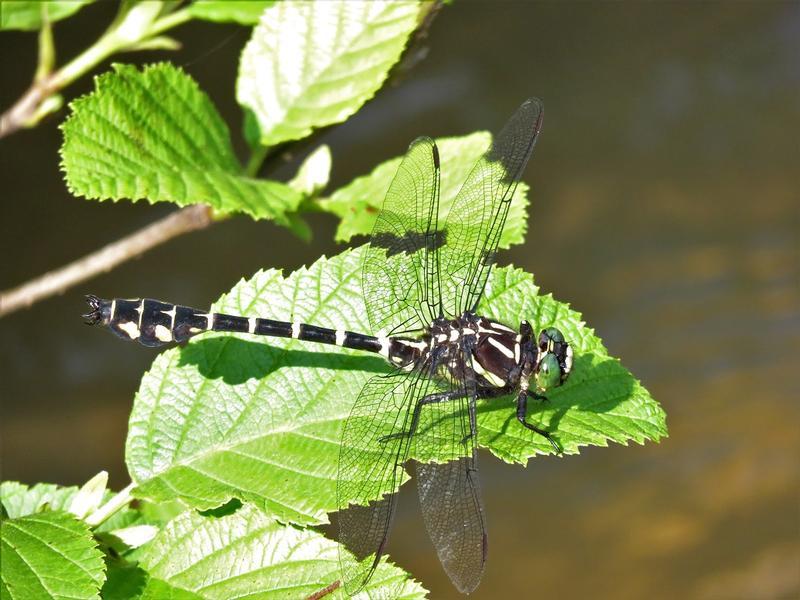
column 47, row 52
column 26, row 111
column 55, row 282
column 115, row 504
column 256, row 160
column 179, row 17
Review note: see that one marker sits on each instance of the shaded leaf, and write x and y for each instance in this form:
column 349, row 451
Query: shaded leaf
column 49, row 555
column 312, row 64
column 124, row 581
column 358, row 202
column 261, row 419
column 154, row 135
column 30, row 16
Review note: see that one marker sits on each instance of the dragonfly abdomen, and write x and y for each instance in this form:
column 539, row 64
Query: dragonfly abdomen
column 155, row 323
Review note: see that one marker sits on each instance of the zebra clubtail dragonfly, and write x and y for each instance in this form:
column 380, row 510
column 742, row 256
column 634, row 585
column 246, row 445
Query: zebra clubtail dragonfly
column 422, row 280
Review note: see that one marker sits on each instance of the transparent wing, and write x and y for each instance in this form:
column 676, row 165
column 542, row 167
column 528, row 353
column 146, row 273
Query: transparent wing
column 371, row 456
column 400, row 278
column 449, row 491
column 478, row 214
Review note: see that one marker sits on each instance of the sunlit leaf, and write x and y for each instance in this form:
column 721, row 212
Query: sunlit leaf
column 313, row 174
column 244, row 12
column 49, row 555
column 260, row 419
column 311, row 64
column 89, row 496
column 20, row 500
column 358, row 202
column 154, row 135
column 249, row 554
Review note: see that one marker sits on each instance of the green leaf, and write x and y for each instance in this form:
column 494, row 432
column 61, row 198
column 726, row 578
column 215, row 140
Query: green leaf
column 358, row 203
column 600, row 402
column 49, row 555
column 260, row 419
column 244, row 12
column 20, row 500
column 89, row 496
column 249, row 554
column 155, row 135
column 30, row 16
column 135, row 535
column 313, row 174
column 312, row 64
column 124, row 581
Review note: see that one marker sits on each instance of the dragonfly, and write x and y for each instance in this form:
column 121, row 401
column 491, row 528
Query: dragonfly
column 422, row 280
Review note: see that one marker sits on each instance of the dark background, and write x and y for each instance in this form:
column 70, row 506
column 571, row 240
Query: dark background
column 665, row 207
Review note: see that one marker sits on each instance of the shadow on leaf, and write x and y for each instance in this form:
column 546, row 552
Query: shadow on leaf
column 598, row 384
column 236, row 360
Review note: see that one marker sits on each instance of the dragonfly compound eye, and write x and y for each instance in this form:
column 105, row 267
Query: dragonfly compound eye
column 548, row 372
column 549, row 338
column 556, row 356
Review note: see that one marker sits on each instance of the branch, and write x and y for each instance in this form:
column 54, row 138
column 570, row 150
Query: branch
column 325, row 591
column 56, row 282
column 133, row 29
column 180, row 222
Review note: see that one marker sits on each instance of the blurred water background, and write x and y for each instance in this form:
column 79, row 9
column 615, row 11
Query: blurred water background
column 665, row 207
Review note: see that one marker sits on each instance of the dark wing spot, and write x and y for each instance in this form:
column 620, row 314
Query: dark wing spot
column 409, row 243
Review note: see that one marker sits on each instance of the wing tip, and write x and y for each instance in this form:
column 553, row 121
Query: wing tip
column 536, row 104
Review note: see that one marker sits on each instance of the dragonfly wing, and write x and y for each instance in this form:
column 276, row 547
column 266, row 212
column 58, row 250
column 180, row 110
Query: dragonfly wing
column 371, row 458
column 450, row 498
column 478, row 214
column 449, row 491
column 400, row 279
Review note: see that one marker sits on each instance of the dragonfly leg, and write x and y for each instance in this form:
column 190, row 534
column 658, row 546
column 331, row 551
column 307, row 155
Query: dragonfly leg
column 522, row 413
column 539, row 397
column 429, row 399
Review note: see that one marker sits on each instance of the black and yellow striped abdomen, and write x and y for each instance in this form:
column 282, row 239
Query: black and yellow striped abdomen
column 155, row 323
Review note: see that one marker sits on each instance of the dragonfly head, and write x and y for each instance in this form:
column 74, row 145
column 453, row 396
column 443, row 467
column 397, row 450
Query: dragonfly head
column 554, row 359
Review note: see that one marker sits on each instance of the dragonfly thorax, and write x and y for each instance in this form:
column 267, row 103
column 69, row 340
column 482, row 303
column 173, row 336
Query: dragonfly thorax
column 502, row 357
column 498, row 354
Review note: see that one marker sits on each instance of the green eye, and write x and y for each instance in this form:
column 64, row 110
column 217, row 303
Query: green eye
column 551, row 334
column 548, row 374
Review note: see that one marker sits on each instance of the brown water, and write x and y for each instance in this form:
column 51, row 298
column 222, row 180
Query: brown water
column 665, row 208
